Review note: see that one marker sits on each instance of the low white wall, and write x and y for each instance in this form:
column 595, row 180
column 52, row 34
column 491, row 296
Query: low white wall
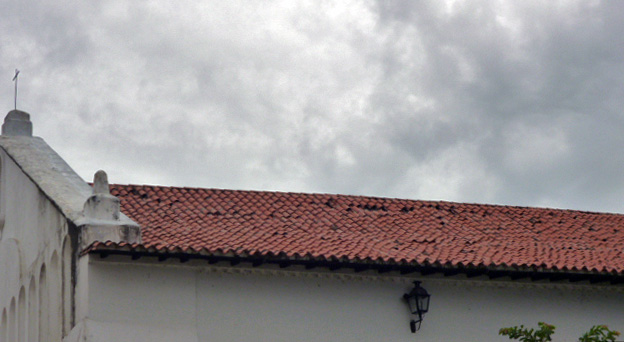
column 156, row 302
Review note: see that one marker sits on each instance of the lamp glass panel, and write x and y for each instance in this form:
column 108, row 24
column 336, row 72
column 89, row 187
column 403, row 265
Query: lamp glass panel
column 423, row 303
column 412, row 301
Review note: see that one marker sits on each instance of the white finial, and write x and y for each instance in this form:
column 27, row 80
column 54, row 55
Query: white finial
column 101, row 205
column 101, row 219
column 100, row 183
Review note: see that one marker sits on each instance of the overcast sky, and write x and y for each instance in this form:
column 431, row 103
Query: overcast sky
column 517, row 102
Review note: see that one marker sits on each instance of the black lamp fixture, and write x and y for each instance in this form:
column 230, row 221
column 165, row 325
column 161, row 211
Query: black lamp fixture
column 418, row 301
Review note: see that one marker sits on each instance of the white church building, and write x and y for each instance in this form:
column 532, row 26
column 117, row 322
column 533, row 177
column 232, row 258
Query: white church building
column 100, row 262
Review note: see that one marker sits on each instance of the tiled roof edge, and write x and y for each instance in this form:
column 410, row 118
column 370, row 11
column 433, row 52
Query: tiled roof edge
column 173, row 251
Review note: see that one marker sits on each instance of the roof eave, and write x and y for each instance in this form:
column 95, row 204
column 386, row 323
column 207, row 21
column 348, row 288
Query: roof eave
column 513, row 272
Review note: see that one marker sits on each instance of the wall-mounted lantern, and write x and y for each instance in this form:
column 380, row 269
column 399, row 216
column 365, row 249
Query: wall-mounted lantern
column 418, row 301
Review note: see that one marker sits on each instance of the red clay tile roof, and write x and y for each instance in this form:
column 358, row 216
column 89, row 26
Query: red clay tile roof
column 381, row 230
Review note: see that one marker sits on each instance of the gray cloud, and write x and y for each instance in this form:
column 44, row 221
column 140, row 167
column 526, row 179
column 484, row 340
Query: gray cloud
column 506, row 102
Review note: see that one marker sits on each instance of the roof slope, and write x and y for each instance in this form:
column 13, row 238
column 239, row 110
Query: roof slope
column 355, row 228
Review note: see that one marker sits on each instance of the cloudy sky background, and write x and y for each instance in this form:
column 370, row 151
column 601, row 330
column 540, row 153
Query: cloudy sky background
column 515, row 103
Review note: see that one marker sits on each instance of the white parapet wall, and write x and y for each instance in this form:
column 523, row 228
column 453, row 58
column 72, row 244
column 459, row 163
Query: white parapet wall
column 135, row 301
column 35, row 279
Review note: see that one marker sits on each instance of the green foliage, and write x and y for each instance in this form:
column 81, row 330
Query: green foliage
column 529, row 335
column 597, row 333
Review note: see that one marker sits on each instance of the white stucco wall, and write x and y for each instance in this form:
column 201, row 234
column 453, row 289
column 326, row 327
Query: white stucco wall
column 32, row 235
column 133, row 301
column 41, row 200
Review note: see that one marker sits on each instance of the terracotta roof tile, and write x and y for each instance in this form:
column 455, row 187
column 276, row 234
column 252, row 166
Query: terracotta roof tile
column 360, row 228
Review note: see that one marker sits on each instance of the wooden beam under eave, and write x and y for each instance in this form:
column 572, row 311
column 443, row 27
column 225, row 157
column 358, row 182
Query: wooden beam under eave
column 428, row 271
column 497, row 274
column 539, row 276
column 519, row 275
column 407, row 270
column 385, row 269
column 450, row 273
column 360, row 268
column 473, row 274
column 333, row 267
column 598, row 279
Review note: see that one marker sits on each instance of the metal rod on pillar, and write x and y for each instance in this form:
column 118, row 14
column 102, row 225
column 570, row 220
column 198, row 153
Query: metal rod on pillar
column 15, row 80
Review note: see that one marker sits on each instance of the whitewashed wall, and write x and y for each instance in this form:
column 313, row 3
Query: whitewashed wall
column 34, row 275
column 132, row 301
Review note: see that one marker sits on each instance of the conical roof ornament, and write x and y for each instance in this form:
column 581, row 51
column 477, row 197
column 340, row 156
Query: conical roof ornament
column 101, row 205
column 102, row 221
